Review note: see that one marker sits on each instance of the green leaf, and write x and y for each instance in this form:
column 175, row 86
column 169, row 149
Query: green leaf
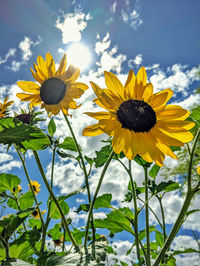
column 195, row 114
column 167, row 186
column 103, row 201
column 34, row 223
column 116, row 221
column 12, row 204
column 66, row 155
column 139, row 160
column 54, row 212
column 26, row 200
column 159, row 239
column 77, row 234
column 142, row 233
column 96, row 255
column 154, row 171
column 89, row 160
column 13, row 131
column 68, row 144
column 171, row 262
column 102, row 155
column 184, row 251
column 22, row 247
column 8, row 182
column 55, row 232
column 51, row 127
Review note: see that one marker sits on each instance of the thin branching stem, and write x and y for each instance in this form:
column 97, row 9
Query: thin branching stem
column 95, row 196
column 189, row 195
column 163, row 217
column 54, row 199
column 147, row 217
column 84, row 170
column 31, row 187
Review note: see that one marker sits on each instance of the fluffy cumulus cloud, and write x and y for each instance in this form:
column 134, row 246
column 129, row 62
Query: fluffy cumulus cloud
column 136, row 61
column 7, row 161
column 25, row 48
column 177, row 77
column 109, row 60
column 72, row 25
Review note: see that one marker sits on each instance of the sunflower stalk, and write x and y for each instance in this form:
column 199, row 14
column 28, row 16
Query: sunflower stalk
column 31, row 187
column 95, row 196
column 84, row 170
column 189, row 195
column 48, row 218
column 55, row 200
column 163, row 217
column 147, row 217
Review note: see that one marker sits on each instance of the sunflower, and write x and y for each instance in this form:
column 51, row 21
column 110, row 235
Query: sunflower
column 36, row 215
column 198, row 170
column 139, row 121
column 4, row 106
column 58, row 242
column 16, row 189
column 36, row 187
column 54, row 90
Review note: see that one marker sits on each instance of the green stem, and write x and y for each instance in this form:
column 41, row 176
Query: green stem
column 175, row 228
column 55, row 199
column 95, row 196
column 189, row 179
column 136, row 213
column 84, row 170
column 49, row 205
column 147, row 217
column 163, row 217
column 190, row 193
column 30, row 185
column 6, row 246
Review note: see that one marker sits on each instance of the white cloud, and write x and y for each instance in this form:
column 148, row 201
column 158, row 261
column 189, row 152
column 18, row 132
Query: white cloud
column 137, row 61
column 132, row 18
column 11, row 53
column 113, row 7
column 100, row 47
column 25, row 47
column 7, row 161
column 72, row 26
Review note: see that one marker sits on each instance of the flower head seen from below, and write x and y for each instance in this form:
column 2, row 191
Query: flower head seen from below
column 4, row 107
column 16, row 189
column 36, row 187
column 54, row 90
column 139, row 121
column 198, row 170
column 36, row 214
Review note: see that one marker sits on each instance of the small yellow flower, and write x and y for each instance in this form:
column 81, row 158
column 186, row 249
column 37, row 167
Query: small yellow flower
column 36, row 215
column 17, row 189
column 4, row 106
column 139, row 121
column 36, row 187
column 6, row 216
column 198, row 170
column 56, row 89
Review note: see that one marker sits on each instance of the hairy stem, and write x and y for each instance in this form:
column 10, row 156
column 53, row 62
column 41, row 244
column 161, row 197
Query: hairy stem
column 55, row 199
column 147, row 217
column 95, row 195
column 84, row 170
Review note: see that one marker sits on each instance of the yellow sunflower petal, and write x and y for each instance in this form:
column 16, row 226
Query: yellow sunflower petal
column 148, row 92
column 161, row 98
column 27, row 97
column 109, row 126
column 42, row 65
column 62, row 66
column 129, row 149
column 71, row 74
column 176, row 125
column 183, row 136
column 29, row 86
column 36, row 76
column 93, row 130
column 142, row 76
column 173, row 112
column 50, row 64
column 118, row 141
column 130, row 85
column 113, row 84
column 99, row 115
column 166, row 150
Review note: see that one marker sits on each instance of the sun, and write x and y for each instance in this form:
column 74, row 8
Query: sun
column 79, row 56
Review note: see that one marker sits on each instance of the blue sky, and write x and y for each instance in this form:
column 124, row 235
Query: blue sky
column 161, row 35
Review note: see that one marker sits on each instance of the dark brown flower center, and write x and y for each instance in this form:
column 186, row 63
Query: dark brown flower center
column 52, row 91
column 136, row 115
column 25, row 118
column 35, row 213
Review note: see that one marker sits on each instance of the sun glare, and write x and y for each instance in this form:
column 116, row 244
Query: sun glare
column 79, row 56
